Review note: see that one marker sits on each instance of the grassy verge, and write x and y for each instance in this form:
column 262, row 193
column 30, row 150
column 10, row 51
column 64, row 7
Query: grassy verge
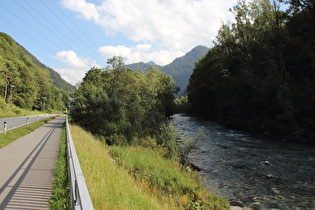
column 20, row 131
column 60, row 192
column 138, row 178
column 110, row 186
column 167, row 177
column 13, row 111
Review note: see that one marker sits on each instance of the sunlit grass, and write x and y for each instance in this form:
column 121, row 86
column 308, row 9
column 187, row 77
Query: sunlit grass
column 60, row 198
column 7, row 110
column 138, row 178
column 110, row 186
column 168, row 177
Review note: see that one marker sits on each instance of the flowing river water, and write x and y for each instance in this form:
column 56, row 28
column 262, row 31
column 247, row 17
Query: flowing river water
column 250, row 171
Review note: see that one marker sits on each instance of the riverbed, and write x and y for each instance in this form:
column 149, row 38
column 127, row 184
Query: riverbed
column 251, row 171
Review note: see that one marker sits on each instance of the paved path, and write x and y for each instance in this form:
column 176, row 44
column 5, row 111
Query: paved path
column 14, row 122
column 27, row 168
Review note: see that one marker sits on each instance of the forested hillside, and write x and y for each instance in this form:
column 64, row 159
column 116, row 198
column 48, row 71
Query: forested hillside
column 24, row 83
column 260, row 75
column 56, row 78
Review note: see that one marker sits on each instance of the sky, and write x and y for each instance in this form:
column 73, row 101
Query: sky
column 72, row 36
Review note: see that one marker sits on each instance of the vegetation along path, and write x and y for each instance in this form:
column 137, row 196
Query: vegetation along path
column 27, row 168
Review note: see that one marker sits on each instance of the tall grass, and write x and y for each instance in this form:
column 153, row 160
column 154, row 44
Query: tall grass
column 110, row 186
column 138, row 178
column 168, row 177
column 60, row 198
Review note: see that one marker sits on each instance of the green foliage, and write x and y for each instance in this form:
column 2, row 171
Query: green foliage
column 7, row 110
column 119, row 104
column 188, row 144
column 167, row 139
column 166, row 176
column 182, row 104
column 24, row 83
column 260, row 75
column 56, row 78
column 60, row 198
column 138, row 178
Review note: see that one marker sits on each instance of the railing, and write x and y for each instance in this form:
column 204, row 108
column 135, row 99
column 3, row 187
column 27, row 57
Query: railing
column 11, row 123
column 80, row 197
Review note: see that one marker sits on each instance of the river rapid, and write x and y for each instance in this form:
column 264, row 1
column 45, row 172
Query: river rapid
column 250, row 171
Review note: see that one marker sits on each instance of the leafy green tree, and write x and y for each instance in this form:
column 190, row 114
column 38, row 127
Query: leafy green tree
column 30, row 84
column 259, row 75
column 120, row 104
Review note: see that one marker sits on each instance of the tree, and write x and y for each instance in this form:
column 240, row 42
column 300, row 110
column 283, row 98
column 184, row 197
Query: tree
column 260, row 74
column 120, row 104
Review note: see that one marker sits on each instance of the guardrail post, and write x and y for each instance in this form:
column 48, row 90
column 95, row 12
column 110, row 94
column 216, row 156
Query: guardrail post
column 37, row 118
column 5, row 127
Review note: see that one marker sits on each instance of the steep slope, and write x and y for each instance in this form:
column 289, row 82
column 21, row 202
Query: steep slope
column 25, row 84
column 56, row 78
column 181, row 68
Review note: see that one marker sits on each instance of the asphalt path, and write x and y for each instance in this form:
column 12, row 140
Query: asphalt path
column 14, row 122
column 27, row 168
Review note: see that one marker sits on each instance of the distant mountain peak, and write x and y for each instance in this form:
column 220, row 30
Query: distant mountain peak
column 151, row 63
column 141, row 65
column 180, row 69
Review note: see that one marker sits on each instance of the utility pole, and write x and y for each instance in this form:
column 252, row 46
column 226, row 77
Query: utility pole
column 6, row 85
column 11, row 95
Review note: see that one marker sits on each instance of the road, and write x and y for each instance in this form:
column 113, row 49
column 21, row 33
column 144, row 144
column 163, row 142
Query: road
column 27, row 168
column 14, row 122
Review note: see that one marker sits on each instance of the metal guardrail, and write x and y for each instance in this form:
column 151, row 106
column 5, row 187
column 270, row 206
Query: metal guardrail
column 80, row 197
column 11, row 123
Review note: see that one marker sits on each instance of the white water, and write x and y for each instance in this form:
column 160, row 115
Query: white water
column 250, row 171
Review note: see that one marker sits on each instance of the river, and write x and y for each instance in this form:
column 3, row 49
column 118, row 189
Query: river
column 251, row 171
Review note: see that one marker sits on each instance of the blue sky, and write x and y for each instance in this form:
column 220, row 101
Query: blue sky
column 71, row 36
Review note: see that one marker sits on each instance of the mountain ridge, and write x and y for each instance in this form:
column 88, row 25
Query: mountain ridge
column 180, row 69
column 26, row 84
column 58, row 81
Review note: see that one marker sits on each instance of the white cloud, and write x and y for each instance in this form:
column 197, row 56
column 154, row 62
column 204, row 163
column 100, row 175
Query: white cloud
column 87, row 10
column 140, row 53
column 71, row 59
column 71, row 75
column 168, row 27
column 75, row 66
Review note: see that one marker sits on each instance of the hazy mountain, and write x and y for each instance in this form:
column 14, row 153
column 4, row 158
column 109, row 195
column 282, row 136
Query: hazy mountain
column 180, row 69
column 141, row 66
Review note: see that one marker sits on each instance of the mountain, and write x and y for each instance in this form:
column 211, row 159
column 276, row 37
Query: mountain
column 56, row 78
column 27, row 83
column 141, row 66
column 180, row 69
